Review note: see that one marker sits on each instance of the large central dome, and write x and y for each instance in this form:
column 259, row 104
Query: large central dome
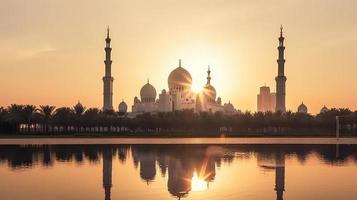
column 179, row 79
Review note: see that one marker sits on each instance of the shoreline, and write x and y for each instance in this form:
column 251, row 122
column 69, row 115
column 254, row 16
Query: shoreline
column 166, row 141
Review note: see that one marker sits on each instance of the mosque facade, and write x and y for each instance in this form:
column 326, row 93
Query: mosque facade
column 180, row 96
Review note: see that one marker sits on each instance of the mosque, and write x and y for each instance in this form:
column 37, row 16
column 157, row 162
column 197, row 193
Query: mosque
column 178, row 97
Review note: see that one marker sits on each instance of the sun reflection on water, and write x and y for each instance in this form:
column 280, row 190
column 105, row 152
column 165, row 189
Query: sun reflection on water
column 198, row 183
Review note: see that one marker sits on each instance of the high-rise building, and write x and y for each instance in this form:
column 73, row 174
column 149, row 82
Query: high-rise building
column 281, row 78
column 265, row 100
column 108, row 79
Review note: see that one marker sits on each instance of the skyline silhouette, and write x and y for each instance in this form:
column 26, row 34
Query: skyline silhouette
column 57, row 58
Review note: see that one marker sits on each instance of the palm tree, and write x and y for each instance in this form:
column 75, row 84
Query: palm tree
column 15, row 115
column 3, row 113
column 63, row 117
column 3, row 125
column 78, row 109
column 46, row 113
column 28, row 113
column 107, row 119
column 90, row 117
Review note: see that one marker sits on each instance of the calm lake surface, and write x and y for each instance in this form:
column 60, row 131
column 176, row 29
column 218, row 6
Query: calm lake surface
column 224, row 172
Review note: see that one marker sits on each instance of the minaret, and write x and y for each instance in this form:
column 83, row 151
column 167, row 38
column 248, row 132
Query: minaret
column 208, row 76
column 280, row 79
column 108, row 79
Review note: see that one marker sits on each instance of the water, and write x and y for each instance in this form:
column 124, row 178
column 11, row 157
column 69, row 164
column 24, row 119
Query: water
column 224, row 172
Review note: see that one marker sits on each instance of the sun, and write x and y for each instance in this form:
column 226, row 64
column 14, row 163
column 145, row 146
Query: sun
column 196, row 87
column 198, row 183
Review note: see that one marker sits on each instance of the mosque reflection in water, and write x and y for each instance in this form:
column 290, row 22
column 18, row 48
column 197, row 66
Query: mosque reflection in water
column 188, row 167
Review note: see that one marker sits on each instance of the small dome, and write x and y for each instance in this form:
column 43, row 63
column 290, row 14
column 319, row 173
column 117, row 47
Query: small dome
column 208, row 89
column 78, row 104
column 79, row 108
column 324, row 109
column 136, row 100
column 210, row 92
column 148, row 93
column 123, row 108
column 219, row 100
column 302, row 108
column 179, row 79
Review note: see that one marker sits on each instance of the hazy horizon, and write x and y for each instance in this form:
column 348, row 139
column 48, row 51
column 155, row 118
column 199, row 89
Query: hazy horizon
column 52, row 51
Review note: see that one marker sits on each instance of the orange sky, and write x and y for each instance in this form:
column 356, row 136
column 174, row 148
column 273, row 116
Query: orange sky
column 52, row 52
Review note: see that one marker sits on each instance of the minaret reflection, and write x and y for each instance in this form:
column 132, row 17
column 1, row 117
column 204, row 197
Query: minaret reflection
column 275, row 161
column 107, row 172
column 280, row 176
column 337, row 155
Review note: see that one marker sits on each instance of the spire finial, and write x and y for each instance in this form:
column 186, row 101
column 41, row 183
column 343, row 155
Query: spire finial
column 281, row 30
column 208, row 75
column 148, row 80
column 108, row 31
column 179, row 62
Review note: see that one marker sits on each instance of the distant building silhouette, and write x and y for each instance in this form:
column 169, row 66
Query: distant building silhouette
column 265, row 100
column 108, row 79
column 281, row 78
column 324, row 109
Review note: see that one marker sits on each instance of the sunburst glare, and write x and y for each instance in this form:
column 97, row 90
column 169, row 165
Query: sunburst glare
column 198, row 183
column 196, row 87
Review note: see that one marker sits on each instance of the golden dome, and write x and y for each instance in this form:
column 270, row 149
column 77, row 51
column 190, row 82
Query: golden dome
column 210, row 91
column 179, row 79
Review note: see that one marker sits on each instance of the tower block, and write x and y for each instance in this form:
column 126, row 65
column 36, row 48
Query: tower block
column 108, row 79
column 281, row 78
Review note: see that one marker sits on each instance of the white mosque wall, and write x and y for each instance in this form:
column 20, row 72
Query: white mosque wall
column 145, row 107
column 164, row 102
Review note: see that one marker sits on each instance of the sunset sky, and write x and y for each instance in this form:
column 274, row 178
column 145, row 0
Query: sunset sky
column 52, row 51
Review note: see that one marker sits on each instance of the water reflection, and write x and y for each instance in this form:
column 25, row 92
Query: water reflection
column 187, row 167
column 107, row 172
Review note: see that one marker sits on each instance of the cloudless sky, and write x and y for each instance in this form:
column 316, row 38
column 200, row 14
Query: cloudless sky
column 52, row 51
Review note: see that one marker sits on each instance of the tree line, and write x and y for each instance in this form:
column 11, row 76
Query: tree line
column 46, row 119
